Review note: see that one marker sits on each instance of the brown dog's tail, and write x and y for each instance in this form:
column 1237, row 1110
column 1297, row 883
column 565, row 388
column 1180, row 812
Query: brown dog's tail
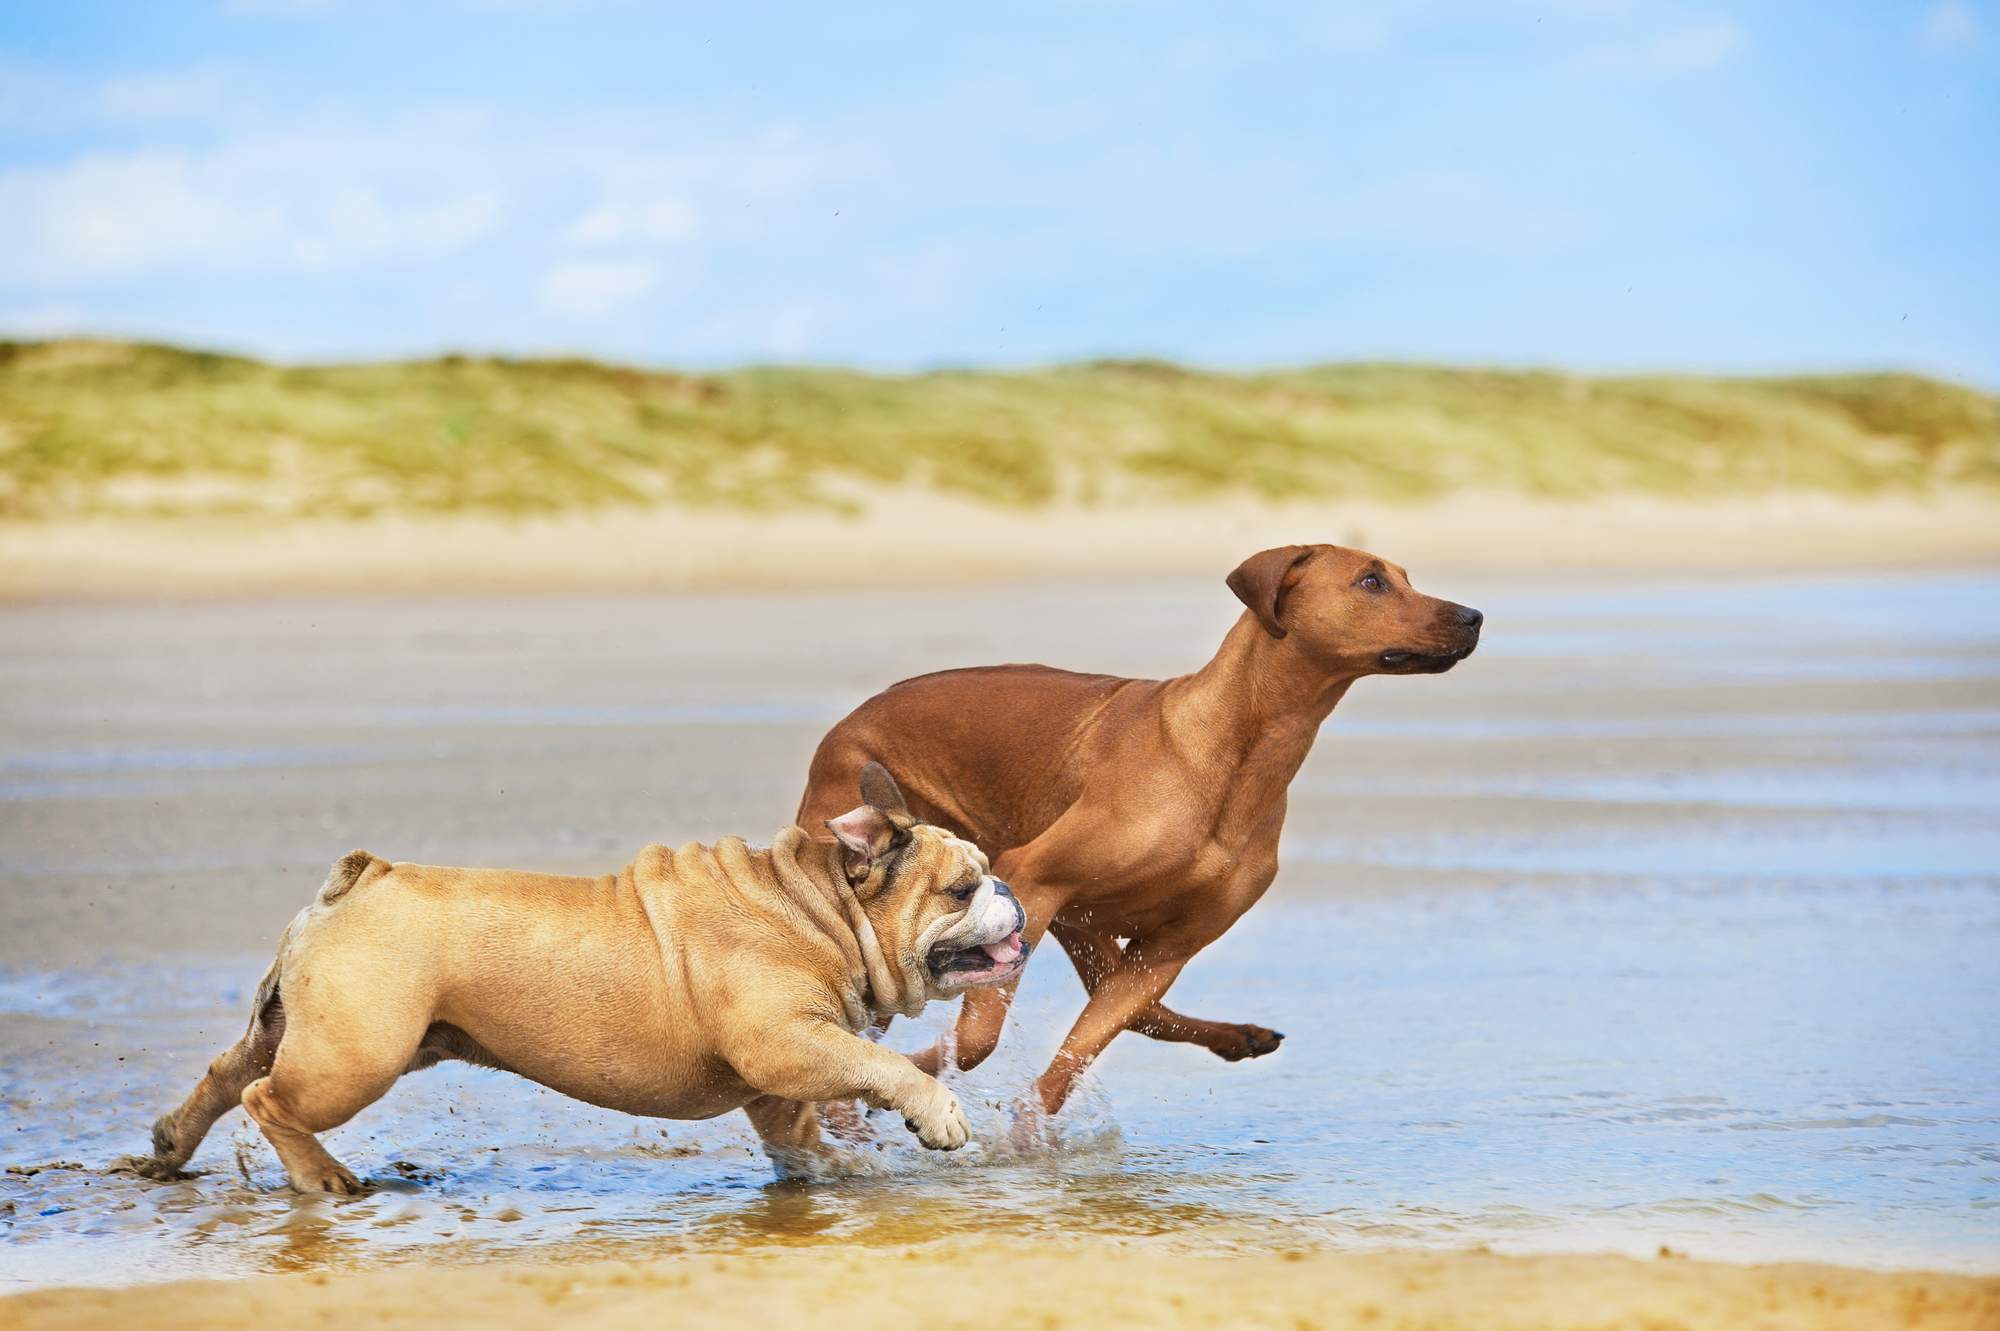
column 353, row 868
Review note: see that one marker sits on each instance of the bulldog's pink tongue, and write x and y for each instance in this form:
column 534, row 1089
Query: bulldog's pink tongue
column 1005, row 950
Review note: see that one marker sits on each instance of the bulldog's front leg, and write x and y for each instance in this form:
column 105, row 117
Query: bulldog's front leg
column 814, row 1061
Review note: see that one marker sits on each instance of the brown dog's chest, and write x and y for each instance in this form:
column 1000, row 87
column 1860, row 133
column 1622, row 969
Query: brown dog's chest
column 1208, row 883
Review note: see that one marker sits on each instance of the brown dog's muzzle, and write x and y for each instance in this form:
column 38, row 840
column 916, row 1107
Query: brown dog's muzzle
column 1457, row 635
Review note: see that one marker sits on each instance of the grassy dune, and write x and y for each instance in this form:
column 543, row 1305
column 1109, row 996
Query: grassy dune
column 99, row 426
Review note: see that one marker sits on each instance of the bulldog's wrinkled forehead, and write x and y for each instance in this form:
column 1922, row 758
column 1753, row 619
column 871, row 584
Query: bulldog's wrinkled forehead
column 966, row 848
column 944, row 854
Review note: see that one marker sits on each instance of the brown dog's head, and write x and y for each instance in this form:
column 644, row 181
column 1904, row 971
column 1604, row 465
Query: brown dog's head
column 1353, row 613
column 944, row 922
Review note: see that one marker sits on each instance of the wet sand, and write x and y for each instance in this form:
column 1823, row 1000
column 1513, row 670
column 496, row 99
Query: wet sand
column 1059, row 1286
column 1668, row 919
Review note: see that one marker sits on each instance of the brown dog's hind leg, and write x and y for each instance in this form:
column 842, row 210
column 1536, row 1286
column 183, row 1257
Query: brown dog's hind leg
column 1228, row 1041
column 1096, row 955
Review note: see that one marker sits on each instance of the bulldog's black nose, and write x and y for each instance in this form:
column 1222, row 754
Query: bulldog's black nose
column 1000, row 889
column 1469, row 617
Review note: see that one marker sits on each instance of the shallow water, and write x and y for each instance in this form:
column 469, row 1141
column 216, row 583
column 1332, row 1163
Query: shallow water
column 1672, row 917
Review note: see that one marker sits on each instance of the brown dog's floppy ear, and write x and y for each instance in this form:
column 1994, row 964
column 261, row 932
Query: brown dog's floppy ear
column 869, row 833
column 1260, row 582
column 879, row 789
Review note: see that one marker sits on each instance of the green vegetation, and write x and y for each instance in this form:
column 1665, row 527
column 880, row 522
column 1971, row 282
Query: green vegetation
column 97, row 426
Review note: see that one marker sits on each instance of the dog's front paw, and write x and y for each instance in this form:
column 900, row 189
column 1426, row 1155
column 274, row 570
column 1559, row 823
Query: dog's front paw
column 1028, row 1127
column 1248, row 1042
column 941, row 1125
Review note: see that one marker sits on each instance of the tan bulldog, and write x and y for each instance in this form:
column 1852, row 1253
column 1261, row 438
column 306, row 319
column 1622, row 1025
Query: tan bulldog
column 697, row 981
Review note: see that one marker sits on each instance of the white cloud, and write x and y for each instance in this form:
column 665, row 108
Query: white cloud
column 661, row 221
column 277, row 8
column 185, row 95
column 594, row 290
column 793, row 327
column 1350, row 30
column 1701, row 47
column 1689, row 51
column 1448, row 210
column 311, row 200
column 36, row 101
column 1947, row 28
column 48, row 319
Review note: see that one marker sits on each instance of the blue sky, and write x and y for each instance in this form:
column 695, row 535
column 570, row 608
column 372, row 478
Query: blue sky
column 1586, row 183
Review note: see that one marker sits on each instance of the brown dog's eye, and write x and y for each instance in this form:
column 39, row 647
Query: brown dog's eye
column 1371, row 582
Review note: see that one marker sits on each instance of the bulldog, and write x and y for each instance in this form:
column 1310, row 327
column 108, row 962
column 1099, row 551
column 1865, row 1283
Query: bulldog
column 698, row 981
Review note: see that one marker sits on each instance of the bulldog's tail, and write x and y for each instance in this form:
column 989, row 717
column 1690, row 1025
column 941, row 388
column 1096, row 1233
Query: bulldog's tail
column 177, row 1133
column 351, row 869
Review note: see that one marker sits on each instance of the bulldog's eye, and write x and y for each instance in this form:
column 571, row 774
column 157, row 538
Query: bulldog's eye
column 964, row 893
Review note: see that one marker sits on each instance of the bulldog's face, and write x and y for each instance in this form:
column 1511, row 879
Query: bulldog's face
column 978, row 945
column 943, row 920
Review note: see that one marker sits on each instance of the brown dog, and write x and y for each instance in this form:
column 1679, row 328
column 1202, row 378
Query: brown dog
column 1139, row 818
column 697, row 981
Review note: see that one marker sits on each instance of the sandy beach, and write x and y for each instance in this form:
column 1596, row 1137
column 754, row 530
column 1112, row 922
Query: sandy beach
column 1058, row 1286
column 1664, row 921
column 924, row 537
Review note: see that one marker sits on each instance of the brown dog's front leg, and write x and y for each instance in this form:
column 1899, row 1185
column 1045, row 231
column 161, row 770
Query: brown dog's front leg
column 981, row 1018
column 1147, row 970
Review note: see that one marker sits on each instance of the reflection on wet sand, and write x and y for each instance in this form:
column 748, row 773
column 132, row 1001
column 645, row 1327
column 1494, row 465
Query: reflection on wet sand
column 1669, row 918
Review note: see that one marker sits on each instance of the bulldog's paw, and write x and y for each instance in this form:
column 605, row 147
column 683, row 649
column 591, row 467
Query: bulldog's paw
column 166, row 1132
column 150, row 1167
column 942, row 1125
column 1247, row 1042
column 333, row 1180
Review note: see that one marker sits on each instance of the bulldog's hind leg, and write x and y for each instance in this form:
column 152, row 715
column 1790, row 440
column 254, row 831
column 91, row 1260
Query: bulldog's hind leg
column 333, row 1063
column 178, row 1132
column 789, row 1130
column 291, row 1106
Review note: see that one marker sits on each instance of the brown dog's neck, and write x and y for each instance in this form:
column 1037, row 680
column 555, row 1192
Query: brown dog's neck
column 1255, row 708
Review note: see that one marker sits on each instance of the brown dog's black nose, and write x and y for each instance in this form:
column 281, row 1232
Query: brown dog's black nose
column 1469, row 617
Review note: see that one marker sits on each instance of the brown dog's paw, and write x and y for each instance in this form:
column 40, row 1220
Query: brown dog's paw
column 1249, row 1042
column 844, row 1121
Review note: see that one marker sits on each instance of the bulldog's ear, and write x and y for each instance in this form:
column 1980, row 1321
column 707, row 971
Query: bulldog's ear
column 1262, row 580
column 879, row 789
column 869, row 833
